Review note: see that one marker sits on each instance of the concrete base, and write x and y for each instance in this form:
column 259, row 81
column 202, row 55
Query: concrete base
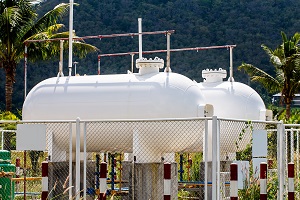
column 224, row 167
column 147, row 181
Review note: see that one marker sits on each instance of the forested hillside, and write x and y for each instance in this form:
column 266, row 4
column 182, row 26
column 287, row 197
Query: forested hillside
column 248, row 24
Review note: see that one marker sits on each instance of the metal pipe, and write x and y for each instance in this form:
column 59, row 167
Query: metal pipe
column 206, row 158
column 171, row 50
column 112, row 173
column 231, row 64
column 292, row 144
column 75, row 67
column 25, row 71
column 214, row 157
column 132, row 62
column 218, row 160
column 70, row 160
column 280, row 157
column 2, row 140
column 71, row 37
column 61, row 58
column 97, row 172
column 140, row 39
column 99, row 59
column 168, row 69
column 77, row 185
column 298, row 152
column 181, row 171
column 84, row 160
column 105, row 36
column 24, row 174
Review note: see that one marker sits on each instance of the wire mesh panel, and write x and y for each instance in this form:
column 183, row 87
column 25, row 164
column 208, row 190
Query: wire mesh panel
column 137, row 150
column 249, row 143
column 135, row 153
column 293, row 153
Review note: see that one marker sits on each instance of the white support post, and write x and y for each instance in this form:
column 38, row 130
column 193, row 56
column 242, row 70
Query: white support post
column 214, row 156
column 25, row 71
column 132, row 62
column 84, row 160
column 77, row 185
column 298, row 152
column 206, row 158
column 140, row 38
column 61, row 58
column 99, row 64
column 168, row 68
column 71, row 37
column 231, row 64
column 70, row 160
column 218, row 160
column 292, row 145
column 280, row 158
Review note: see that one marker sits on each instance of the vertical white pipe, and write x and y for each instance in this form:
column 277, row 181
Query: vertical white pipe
column 292, row 145
column 25, row 72
column 205, row 162
column 77, row 185
column 99, row 60
column 140, row 39
column 61, row 57
column 280, row 157
column 84, row 161
column 168, row 69
column 214, row 157
column 298, row 152
column 71, row 37
column 231, row 64
column 132, row 55
column 70, row 160
column 218, row 160
column 2, row 140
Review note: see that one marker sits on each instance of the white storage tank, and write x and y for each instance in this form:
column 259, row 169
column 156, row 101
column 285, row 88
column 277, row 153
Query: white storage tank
column 149, row 94
column 232, row 100
column 145, row 95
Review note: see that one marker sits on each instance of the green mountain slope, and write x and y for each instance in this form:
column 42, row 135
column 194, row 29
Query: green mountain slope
column 248, row 24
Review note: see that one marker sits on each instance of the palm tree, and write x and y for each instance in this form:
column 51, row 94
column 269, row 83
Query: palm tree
column 19, row 22
column 286, row 60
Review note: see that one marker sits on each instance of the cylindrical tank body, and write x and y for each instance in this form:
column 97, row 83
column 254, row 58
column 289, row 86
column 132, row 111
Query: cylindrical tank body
column 231, row 100
column 126, row 96
column 234, row 100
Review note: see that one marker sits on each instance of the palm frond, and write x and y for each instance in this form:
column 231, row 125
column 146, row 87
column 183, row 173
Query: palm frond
column 274, row 55
column 260, row 76
column 49, row 19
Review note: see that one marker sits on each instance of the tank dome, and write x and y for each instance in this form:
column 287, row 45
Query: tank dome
column 231, row 99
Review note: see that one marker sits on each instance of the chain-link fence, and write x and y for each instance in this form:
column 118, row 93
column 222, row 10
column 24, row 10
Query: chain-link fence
column 200, row 152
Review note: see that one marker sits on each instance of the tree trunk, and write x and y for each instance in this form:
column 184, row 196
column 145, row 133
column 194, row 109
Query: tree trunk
column 287, row 111
column 10, row 69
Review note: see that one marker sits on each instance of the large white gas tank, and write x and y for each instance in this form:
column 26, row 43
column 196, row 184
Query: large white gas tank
column 149, row 94
column 152, row 95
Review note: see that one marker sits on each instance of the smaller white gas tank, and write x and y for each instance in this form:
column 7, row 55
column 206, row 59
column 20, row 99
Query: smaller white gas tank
column 231, row 99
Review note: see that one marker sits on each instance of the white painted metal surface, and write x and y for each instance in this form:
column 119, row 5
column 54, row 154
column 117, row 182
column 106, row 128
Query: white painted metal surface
column 231, row 99
column 149, row 94
column 124, row 96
